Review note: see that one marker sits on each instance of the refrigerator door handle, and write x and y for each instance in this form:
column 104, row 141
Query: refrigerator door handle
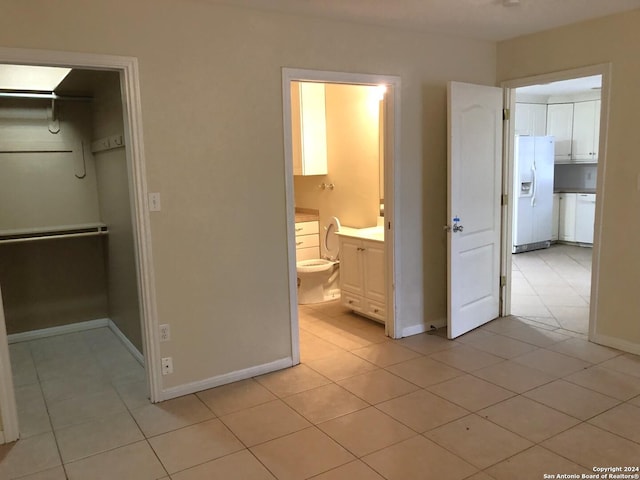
column 535, row 185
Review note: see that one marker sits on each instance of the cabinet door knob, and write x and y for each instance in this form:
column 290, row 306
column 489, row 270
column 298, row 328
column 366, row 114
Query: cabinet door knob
column 350, row 302
column 375, row 310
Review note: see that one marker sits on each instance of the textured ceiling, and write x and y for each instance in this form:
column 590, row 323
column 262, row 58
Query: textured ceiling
column 481, row 19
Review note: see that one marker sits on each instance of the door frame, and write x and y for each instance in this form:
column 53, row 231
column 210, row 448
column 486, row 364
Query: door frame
column 392, row 154
column 130, row 89
column 509, row 86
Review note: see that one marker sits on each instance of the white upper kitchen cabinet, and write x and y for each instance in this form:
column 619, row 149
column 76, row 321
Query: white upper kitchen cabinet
column 309, row 128
column 586, row 131
column 531, row 119
column 560, row 126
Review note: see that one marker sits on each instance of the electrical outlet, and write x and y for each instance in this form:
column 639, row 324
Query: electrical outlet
column 154, row 202
column 167, row 365
column 165, row 333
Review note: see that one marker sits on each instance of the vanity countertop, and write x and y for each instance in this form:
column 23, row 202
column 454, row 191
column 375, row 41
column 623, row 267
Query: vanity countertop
column 307, row 215
column 371, row 233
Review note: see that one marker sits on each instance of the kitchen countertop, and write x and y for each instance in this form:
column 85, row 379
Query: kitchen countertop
column 575, row 190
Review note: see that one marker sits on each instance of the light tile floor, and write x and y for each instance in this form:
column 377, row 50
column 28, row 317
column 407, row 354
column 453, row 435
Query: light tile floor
column 553, row 286
column 508, row 400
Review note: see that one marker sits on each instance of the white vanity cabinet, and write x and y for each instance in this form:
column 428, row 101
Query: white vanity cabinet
column 307, row 240
column 362, row 282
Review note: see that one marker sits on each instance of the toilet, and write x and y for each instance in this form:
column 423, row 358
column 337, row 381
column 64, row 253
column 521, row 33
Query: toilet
column 318, row 277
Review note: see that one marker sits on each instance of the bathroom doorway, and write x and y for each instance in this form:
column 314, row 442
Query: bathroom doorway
column 328, row 194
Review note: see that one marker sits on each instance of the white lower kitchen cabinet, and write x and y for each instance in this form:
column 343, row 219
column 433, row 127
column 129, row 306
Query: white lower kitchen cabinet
column 555, row 217
column 567, row 217
column 362, row 281
column 576, row 217
column 585, row 217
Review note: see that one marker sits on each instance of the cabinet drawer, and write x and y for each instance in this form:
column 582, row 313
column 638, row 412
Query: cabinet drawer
column 306, row 241
column 307, row 228
column 309, row 253
column 375, row 310
column 351, row 301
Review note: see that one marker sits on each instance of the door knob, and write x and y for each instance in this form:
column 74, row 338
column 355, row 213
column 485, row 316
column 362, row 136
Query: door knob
column 456, row 225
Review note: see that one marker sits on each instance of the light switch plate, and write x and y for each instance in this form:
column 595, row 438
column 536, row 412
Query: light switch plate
column 154, row 202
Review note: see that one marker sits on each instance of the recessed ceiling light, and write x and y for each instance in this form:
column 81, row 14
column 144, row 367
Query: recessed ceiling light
column 30, row 78
column 510, row 3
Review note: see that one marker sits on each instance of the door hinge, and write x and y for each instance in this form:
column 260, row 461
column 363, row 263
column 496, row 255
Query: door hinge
column 506, row 114
column 503, row 281
column 504, row 199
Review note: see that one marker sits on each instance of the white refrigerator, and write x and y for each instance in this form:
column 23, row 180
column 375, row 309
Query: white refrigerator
column 533, row 193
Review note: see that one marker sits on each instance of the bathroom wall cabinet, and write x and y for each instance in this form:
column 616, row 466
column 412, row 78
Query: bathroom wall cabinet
column 309, row 128
column 362, row 282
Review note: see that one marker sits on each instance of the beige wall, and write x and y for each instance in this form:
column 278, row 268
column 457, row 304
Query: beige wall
column 352, row 157
column 212, row 117
column 115, row 211
column 41, row 188
column 49, row 282
column 613, row 39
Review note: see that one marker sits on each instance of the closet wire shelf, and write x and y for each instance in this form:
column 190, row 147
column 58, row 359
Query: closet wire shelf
column 53, row 233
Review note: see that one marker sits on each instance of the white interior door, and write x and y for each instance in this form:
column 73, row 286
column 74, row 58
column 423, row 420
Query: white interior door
column 475, row 179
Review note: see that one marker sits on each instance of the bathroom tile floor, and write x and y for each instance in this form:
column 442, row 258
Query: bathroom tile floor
column 508, row 400
column 552, row 287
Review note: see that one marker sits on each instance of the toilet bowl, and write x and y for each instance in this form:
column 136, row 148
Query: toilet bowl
column 318, row 277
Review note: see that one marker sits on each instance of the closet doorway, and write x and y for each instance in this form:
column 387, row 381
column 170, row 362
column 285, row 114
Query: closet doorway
column 73, row 241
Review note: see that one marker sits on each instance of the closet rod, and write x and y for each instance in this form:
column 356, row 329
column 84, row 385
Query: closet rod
column 53, row 236
column 43, row 96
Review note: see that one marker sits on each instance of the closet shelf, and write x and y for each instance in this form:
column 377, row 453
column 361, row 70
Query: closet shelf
column 53, row 232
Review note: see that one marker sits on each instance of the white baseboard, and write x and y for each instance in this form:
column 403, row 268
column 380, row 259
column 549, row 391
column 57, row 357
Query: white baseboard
column 421, row 328
column 205, row 384
column 60, row 330
column 126, row 342
column 616, row 343
column 78, row 327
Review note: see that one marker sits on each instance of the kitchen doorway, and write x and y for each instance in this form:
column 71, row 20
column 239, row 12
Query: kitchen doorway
column 553, row 172
column 389, row 151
